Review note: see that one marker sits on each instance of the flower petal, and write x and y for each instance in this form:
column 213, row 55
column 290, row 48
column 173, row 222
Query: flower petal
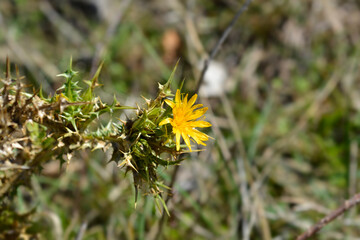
column 195, row 107
column 165, row 121
column 198, row 113
column 187, row 140
column 201, row 124
column 185, row 100
column 170, row 103
column 177, row 97
column 192, row 100
column 199, row 136
column 177, row 141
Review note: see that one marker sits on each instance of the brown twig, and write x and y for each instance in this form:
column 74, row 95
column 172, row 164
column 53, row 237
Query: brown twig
column 318, row 226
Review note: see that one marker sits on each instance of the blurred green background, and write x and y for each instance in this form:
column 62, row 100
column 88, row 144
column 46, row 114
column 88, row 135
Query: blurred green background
column 283, row 97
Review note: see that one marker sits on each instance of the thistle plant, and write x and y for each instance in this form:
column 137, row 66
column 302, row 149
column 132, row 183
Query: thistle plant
column 35, row 129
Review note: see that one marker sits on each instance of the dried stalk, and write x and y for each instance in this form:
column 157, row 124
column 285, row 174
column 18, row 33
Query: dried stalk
column 329, row 218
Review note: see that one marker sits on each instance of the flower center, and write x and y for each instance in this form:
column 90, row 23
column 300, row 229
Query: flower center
column 179, row 117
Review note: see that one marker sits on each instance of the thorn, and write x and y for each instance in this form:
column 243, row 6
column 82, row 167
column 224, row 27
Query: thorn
column 148, row 101
column 122, row 121
column 138, row 107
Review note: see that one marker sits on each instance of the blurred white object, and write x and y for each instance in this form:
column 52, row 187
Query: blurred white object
column 214, row 79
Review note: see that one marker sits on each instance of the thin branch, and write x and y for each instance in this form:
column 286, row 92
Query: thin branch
column 318, row 226
column 220, row 43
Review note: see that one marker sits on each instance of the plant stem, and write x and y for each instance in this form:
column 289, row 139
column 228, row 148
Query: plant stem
column 319, row 225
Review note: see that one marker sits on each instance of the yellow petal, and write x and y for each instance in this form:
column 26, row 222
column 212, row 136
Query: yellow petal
column 198, row 113
column 165, row 121
column 187, row 140
column 185, row 100
column 201, row 124
column 192, row 100
column 177, row 141
column 198, row 141
column 170, row 103
column 199, row 136
column 177, row 97
column 195, row 107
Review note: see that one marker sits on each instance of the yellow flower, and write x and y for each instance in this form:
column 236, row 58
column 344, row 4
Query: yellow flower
column 185, row 121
